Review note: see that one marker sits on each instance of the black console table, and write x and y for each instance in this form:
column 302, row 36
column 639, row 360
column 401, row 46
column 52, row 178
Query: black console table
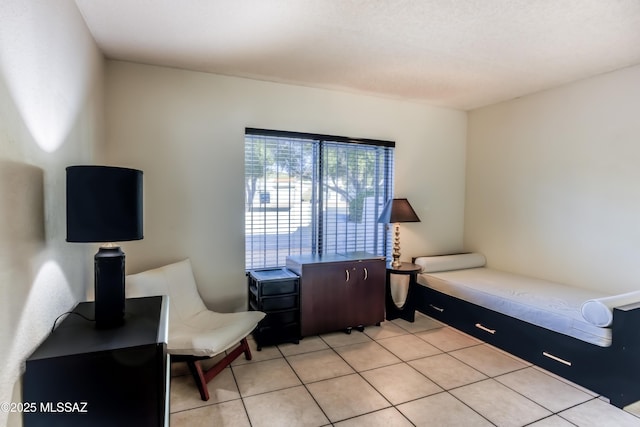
column 83, row 376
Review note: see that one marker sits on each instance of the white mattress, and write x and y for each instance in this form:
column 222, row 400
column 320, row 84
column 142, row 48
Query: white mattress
column 546, row 304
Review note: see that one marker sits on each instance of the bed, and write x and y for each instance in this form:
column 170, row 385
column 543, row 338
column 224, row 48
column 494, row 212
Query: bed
column 585, row 336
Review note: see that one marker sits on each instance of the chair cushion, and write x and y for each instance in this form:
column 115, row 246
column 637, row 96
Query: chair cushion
column 193, row 329
column 210, row 333
column 175, row 280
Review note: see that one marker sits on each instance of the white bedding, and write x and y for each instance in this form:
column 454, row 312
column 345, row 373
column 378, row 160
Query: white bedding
column 546, row 304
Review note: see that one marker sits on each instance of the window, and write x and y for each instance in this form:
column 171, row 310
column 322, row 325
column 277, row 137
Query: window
column 313, row 194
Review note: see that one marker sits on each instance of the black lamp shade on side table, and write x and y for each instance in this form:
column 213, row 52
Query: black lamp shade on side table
column 398, row 210
column 104, row 204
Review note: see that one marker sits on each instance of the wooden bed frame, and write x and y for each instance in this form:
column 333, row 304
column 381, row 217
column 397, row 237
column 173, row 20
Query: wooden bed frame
column 613, row 372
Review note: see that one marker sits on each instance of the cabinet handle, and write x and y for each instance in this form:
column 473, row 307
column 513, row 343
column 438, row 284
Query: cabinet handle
column 484, row 328
column 366, row 273
column 347, row 271
column 556, row 358
column 436, row 308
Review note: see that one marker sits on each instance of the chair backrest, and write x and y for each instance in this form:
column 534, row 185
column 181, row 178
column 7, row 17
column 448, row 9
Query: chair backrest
column 175, row 280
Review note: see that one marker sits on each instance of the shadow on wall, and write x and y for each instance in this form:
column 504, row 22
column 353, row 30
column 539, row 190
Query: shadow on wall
column 22, row 239
column 22, row 233
column 31, row 283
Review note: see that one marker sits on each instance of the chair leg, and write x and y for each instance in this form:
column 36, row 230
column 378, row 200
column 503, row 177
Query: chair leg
column 203, row 377
column 247, row 350
column 199, row 377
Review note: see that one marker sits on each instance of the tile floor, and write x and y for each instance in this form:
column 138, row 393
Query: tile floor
column 398, row 374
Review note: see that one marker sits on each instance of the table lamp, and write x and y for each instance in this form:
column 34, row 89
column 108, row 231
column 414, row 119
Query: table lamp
column 104, row 204
column 394, row 212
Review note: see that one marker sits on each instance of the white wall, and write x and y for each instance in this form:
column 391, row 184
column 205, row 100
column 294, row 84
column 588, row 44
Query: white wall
column 185, row 130
column 553, row 183
column 50, row 117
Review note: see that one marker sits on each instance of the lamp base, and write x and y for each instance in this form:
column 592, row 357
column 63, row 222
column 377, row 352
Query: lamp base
column 395, row 256
column 109, row 287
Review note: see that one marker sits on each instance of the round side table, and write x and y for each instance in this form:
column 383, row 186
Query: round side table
column 407, row 311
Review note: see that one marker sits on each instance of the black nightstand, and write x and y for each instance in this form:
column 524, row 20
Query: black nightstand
column 83, row 376
column 408, row 310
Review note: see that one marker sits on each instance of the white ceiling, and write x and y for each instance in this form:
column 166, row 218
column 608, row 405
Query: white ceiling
column 455, row 53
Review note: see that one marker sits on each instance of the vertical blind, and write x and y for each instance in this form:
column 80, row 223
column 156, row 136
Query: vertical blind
column 313, row 194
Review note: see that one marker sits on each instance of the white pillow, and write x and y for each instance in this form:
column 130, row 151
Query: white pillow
column 433, row 264
column 599, row 311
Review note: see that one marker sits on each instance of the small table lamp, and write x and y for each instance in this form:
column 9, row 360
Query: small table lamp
column 104, row 204
column 394, row 212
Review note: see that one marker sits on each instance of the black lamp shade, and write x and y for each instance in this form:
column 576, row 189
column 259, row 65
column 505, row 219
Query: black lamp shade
column 398, row 210
column 104, row 204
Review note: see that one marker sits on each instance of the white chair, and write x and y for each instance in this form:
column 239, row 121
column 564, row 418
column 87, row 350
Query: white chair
column 195, row 332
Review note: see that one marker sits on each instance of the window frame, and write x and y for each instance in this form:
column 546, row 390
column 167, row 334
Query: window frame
column 320, row 141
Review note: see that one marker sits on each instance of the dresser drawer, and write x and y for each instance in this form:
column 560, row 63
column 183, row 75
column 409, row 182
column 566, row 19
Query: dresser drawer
column 280, row 287
column 279, row 303
column 267, row 335
column 280, row 318
column 273, row 281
